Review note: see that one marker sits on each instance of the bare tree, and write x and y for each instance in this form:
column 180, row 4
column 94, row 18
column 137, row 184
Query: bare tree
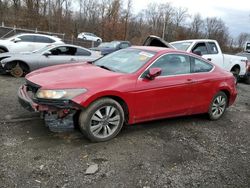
column 196, row 26
column 242, row 39
column 127, row 16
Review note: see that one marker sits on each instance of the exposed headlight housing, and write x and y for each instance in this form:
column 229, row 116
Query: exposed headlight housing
column 59, row 94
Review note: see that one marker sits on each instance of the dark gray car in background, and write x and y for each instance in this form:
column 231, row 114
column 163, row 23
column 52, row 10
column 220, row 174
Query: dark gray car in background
column 109, row 47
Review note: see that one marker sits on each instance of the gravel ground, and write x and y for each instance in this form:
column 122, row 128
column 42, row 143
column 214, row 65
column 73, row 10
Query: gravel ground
column 180, row 152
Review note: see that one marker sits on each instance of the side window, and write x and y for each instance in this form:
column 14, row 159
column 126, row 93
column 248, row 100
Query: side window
column 200, row 47
column 63, row 50
column 124, row 45
column 213, row 48
column 27, row 38
column 173, row 64
column 82, row 52
column 42, row 39
column 200, row 66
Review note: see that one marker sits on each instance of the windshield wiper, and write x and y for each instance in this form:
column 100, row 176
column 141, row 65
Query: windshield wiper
column 104, row 67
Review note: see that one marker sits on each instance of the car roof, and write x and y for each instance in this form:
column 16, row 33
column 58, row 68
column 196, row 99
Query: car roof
column 69, row 45
column 37, row 34
column 120, row 41
column 157, row 49
column 194, row 40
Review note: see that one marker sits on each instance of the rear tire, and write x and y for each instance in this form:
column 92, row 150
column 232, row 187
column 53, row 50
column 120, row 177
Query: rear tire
column 218, row 106
column 236, row 72
column 247, row 80
column 102, row 120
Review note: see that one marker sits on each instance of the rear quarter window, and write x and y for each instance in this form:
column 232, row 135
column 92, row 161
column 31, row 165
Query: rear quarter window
column 199, row 65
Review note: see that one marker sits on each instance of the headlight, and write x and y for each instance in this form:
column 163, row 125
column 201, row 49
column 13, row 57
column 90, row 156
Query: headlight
column 59, row 94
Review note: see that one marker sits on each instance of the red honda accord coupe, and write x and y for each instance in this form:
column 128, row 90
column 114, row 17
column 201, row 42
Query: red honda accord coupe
column 132, row 85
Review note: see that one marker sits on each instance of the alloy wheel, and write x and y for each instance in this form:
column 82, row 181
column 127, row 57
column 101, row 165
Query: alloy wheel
column 105, row 121
column 219, row 106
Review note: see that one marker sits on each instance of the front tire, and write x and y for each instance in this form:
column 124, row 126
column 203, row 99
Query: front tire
column 218, row 106
column 18, row 69
column 102, row 120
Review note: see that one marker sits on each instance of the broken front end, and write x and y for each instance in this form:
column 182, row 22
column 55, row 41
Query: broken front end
column 55, row 106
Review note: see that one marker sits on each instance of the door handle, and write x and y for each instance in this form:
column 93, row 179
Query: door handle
column 72, row 59
column 191, row 81
column 209, row 59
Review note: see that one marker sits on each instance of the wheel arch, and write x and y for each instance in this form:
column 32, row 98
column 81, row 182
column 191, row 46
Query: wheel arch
column 234, row 67
column 4, row 48
column 9, row 64
column 113, row 95
column 228, row 94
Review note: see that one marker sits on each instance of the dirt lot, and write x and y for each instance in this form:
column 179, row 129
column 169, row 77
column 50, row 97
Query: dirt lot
column 181, row 152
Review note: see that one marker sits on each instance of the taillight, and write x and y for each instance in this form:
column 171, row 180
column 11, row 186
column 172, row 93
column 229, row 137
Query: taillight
column 248, row 65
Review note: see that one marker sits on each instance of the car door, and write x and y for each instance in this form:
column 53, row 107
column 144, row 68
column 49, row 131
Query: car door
column 26, row 44
column 168, row 94
column 58, row 55
column 210, row 52
column 202, row 86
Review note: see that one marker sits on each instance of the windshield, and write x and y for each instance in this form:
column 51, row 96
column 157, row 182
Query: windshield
column 44, row 49
column 10, row 38
column 125, row 61
column 181, row 45
column 108, row 44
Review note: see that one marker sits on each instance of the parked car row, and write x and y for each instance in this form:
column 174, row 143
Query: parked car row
column 133, row 84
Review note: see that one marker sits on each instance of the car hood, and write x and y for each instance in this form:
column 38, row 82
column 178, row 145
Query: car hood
column 153, row 40
column 10, row 54
column 4, row 41
column 6, row 54
column 102, row 49
column 77, row 75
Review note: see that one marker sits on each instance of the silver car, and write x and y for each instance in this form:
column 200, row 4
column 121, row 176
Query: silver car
column 19, row 64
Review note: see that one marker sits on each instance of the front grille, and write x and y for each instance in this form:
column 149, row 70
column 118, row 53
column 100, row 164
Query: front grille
column 32, row 87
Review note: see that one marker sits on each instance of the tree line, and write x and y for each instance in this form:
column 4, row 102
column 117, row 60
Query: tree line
column 115, row 20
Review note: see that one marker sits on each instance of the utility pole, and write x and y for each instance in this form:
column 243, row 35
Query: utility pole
column 164, row 27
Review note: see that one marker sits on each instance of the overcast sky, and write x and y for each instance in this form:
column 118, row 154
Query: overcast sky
column 235, row 13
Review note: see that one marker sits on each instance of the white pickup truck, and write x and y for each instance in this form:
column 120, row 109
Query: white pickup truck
column 210, row 50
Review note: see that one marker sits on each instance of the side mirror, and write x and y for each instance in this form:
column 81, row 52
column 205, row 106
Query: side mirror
column 198, row 53
column 47, row 54
column 16, row 40
column 153, row 73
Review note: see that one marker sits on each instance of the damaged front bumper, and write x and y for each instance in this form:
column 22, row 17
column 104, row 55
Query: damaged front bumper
column 58, row 114
column 2, row 70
